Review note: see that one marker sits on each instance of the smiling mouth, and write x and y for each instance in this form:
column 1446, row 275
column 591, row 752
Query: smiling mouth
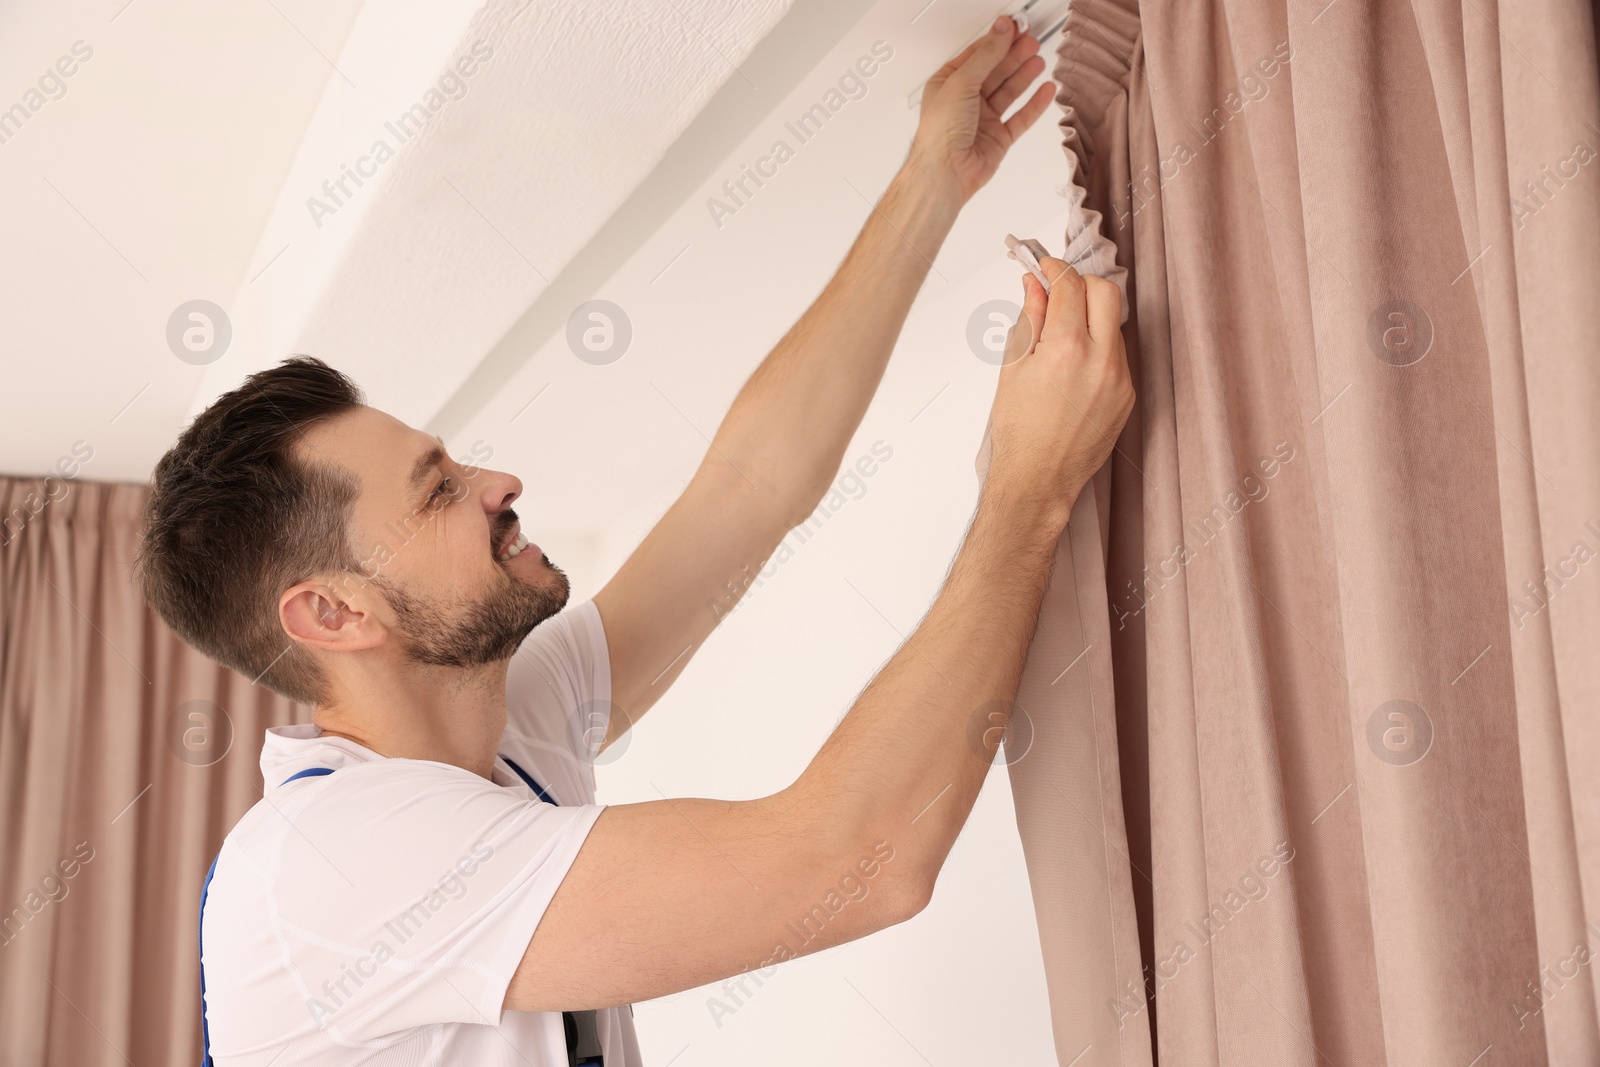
column 514, row 549
column 515, row 543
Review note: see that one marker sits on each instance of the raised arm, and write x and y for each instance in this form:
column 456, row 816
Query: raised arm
column 783, row 439
column 667, row 895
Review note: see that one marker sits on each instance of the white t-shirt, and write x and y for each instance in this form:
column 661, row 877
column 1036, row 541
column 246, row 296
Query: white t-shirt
column 375, row 915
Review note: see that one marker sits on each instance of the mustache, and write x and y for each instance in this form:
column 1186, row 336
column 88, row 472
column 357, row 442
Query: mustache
column 501, row 526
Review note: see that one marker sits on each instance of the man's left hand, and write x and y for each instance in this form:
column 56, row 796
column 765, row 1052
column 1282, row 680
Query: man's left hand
column 960, row 137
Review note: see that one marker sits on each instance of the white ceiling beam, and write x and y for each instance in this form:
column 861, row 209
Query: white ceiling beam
column 783, row 59
column 459, row 160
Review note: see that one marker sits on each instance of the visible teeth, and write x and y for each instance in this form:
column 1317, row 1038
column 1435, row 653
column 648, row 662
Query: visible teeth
column 515, row 548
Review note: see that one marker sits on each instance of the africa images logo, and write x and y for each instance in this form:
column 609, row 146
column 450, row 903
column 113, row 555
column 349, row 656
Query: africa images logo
column 851, row 85
column 452, row 85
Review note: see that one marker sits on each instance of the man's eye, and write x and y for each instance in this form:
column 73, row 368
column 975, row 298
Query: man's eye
column 440, row 491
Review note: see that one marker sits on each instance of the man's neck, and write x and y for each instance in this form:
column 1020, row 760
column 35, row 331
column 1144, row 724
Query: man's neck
column 445, row 715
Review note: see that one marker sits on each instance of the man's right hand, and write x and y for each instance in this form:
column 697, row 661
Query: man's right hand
column 1064, row 389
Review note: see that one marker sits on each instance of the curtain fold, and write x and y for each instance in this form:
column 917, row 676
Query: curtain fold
column 125, row 757
column 1317, row 789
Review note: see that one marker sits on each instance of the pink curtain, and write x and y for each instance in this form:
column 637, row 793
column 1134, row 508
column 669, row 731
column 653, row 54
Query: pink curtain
column 1304, row 766
column 125, row 756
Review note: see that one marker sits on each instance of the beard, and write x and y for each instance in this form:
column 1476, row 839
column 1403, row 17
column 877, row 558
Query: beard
column 461, row 633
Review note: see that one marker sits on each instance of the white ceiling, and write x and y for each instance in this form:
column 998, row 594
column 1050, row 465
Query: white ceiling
column 576, row 164
column 614, row 444
column 565, row 109
column 147, row 184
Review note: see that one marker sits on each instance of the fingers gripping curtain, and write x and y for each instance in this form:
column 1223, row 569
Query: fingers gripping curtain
column 1312, row 696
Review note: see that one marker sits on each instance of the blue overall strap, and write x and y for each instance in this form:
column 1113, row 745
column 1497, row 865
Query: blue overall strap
column 578, row 1026
column 533, row 785
column 205, row 1029
column 309, row 772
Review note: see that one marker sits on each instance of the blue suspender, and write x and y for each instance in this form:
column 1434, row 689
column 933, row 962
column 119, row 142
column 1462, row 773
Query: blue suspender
column 533, row 785
column 205, row 1030
column 583, row 1038
column 309, row 772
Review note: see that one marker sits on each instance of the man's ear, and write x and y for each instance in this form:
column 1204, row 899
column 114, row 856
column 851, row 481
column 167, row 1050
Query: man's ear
column 317, row 614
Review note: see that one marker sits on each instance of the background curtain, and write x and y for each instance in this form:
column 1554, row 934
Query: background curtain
column 125, row 757
column 1305, row 769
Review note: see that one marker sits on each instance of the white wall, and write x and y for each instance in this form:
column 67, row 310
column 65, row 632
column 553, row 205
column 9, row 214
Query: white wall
column 963, row 982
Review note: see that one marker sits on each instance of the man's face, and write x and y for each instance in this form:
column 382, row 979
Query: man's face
column 433, row 542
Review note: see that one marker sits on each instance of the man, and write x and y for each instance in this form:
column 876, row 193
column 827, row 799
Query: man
column 427, row 878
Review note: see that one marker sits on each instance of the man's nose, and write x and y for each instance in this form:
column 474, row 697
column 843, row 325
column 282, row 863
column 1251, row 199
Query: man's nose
column 499, row 490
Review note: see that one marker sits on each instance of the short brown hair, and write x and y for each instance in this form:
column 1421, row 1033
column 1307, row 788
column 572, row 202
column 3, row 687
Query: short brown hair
column 235, row 518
